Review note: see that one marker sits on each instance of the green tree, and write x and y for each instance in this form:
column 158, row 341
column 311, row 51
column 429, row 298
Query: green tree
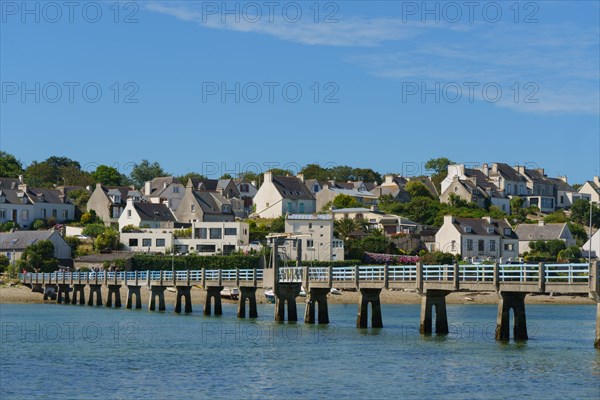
column 422, row 210
column 417, row 189
column 315, row 171
column 440, row 168
column 107, row 240
column 94, row 230
column 278, row 225
column 39, row 224
column 109, row 176
column 146, row 171
column 10, row 167
column 56, row 171
column 579, row 233
column 183, row 179
column 79, row 198
column 345, row 226
column 226, row 176
column 89, row 217
column 366, row 175
column 580, row 213
column 39, row 256
column 556, row 217
column 345, row 201
column 4, row 262
column 341, row 173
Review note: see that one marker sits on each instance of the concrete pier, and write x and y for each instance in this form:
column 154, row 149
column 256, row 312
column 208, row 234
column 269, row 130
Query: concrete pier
column 369, row 296
column 184, row 292
column 516, row 302
column 317, row 302
column 286, row 293
column 213, row 293
column 78, row 292
column 134, row 291
column 429, row 300
column 37, row 288
column 63, row 293
column 157, row 291
column 597, row 341
column 114, row 290
column 247, row 293
column 50, row 292
column 97, row 290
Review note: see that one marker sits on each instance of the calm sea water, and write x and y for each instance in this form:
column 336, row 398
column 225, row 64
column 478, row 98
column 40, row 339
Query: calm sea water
column 80, row 352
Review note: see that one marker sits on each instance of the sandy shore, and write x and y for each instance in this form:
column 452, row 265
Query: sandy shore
column 23, row 295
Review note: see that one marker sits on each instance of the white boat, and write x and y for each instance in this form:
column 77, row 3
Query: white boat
column 171, row 289
column 302, row 292
column 270, row 296
column 335, row 291
column 230, row 293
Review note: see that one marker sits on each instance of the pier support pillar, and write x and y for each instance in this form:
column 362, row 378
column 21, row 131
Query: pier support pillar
column 286, row 293
column 184, row 292
column 516, row 301
column 50, row 292
column 213, row 292
column 437, row 299
column 78, row 291
column 63, row 291
column 157, row 291
column 369, row 296
column 116, row 291
column 317, row 300
column 247, row 293
column 133, row 291
column 37, row 288
column 97, row 290
column 597, row 341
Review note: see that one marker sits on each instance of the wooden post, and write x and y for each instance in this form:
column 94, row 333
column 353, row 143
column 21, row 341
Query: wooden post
column 455, row 276
column 497, row 276
column 542, row 278
column 419, row 282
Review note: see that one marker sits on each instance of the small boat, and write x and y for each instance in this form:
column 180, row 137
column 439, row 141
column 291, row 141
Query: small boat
column 302, row 292
column 230, row 293
column 171, row 289
column 335, row 291
column 270, row 296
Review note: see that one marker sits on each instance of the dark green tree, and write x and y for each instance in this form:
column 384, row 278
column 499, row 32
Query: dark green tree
column 146, row 171
column 10, row 167
column 39, row 257
column 108, row 176
column 439, row 166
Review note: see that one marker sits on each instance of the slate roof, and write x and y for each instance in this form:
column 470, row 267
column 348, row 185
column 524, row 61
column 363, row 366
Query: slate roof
column 9, row 183
column 157, row 185
column 291, row 187
column 211, row 202
column 537, row 177
column 508, row 172
column 154, row 212
column 22, row 239
column 123, row 190
column 531, row 232
column 561, row 185
column 35, row 195
column 479, row 227
column 324, row 217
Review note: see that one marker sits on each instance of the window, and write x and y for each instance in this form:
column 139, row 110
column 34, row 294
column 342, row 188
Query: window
column 289, row 206
column 133, row 242
column 25, row 215
column 160, row 242
column 301, row 205
column 507, row 231
column 54, row 212
column 481, row 245
column 215, row 233
column 202, row 233
column 509, row 247
column 453, row 245
column 310, row 225
column 509, row 188
column 175, row 189
column 206, row 248
column 469, row 244
column 43, row 213
column 230, row 231
column 310, row 244
column 2, row 213
column 193, row 208
column 65, row 214
column 117, row 199
column 492, row 245
column 228, row 249
column 316, row 188
column 244, row 188
column 146, row 242
column 128, row 213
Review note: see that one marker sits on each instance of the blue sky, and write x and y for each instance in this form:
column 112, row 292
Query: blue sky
column 384, row 85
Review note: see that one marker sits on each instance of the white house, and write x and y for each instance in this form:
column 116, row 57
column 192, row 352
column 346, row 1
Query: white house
column 594, row 243
column 23, row 205
column 478, row 239
column 149, row 215
column 279, row 195
column 166, row 189
column 315, row 232
column 541, row 231
column 247, row 191
column 388, row 223
column 591, row 189
column 13, row 244
column 565, row 194
column 109, row 201
column 205, row 238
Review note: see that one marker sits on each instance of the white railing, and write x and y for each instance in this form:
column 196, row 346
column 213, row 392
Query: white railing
column 401, row 273
column 571, row 273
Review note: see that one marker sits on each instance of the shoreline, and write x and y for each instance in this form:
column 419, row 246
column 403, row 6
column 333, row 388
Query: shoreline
column 20, row 294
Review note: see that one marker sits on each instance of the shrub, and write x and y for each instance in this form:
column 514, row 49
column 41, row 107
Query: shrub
column 130, row 228
column 39, row 224
column 94, row 230
column 438, row 258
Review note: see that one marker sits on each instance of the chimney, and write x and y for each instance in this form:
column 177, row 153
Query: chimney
column 129, row 201
column 21, row 178
column 301, row 177
column 563, row 178
column 268, row 176
column 253, row 183
column 597, row 180
column 541, row 171
column 485, row 168
column 165, row 184
column 495, row 168
column 389, row 180
column 520, row 169
column 23, row 187
column 448, row 219
column 489, row 220
column 99, row 186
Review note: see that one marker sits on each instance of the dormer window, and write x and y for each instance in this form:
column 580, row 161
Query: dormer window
column 490, row 229
column 175, row 189
column 507, row 231
column 468, row 229
column 2, row 199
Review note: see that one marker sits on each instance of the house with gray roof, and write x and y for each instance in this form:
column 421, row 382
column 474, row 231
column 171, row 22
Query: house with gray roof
column 591, row 189
column 565, row 194
column 13, row 244
column 327, row 195
column 203, row 206
column 109, row 201
column 478, row 239
column 314, row 233
column 148, row 215
column 166, row 190
column 393, row 186
column 542, row 231
column 24, row 204
column 279, row 195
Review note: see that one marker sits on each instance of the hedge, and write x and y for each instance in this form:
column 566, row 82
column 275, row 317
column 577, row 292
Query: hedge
column 144, row 262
